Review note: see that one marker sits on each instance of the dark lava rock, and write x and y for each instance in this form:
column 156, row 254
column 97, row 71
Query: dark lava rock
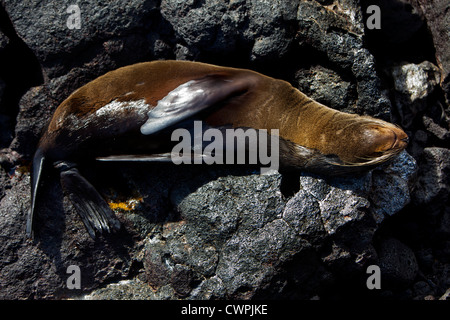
column 202, row 232
column 437, row 15
column 117, row 28
column 397, row 262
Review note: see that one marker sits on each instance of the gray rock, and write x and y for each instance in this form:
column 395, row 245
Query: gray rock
column 415, row 80
column 5, row 182
column 318, row 28
column 397, row 263
column 340, row 206
column 327, row 87
column 432, row 183
column 209, row 289
column 269, row 23
column 134, row 289
column 437, row 18
column 271, row 46
column 228, row 233
column 413, row 83
column 38, row 269
column 218, row 27
column 303, row 214
column 351, row 209
column 316, row 24
column 44, row 28
column 436, row 129
column 394, row 185
column 22, row 265
column 37, row 103
column 196, row 25
column 237, row 232
column 342, row 200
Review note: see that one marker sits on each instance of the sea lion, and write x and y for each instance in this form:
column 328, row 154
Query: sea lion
column 123, row 115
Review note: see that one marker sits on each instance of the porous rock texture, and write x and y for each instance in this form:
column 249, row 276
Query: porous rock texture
column 220, row 232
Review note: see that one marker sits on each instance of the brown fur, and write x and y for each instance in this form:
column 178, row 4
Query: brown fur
column 268, row 104
column 313, row 137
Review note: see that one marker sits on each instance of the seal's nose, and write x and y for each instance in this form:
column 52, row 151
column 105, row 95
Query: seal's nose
column 402, row 139
column 405, row 140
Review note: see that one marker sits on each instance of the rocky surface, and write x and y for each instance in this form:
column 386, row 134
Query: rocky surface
column 202, row 232
column 438, row 19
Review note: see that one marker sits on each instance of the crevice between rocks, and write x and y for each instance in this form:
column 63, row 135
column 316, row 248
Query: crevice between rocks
column 20, row 70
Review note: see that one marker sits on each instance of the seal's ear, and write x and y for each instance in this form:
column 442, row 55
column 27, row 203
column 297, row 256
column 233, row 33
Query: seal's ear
column 190, row 98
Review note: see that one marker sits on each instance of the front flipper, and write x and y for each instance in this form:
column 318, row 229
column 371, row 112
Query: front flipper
column 160, row 157
column 191, row 98
column 97, row 216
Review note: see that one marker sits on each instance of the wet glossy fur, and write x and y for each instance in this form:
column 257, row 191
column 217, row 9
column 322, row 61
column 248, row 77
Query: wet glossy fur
column 104, row 118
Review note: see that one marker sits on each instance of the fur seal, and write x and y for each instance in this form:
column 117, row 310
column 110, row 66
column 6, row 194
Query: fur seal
column 123, row 115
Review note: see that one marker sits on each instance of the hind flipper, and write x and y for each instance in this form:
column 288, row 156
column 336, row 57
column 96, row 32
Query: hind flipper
column 97, row 216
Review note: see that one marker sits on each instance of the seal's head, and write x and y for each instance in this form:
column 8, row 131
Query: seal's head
column 384, row 139
column 373, row 142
